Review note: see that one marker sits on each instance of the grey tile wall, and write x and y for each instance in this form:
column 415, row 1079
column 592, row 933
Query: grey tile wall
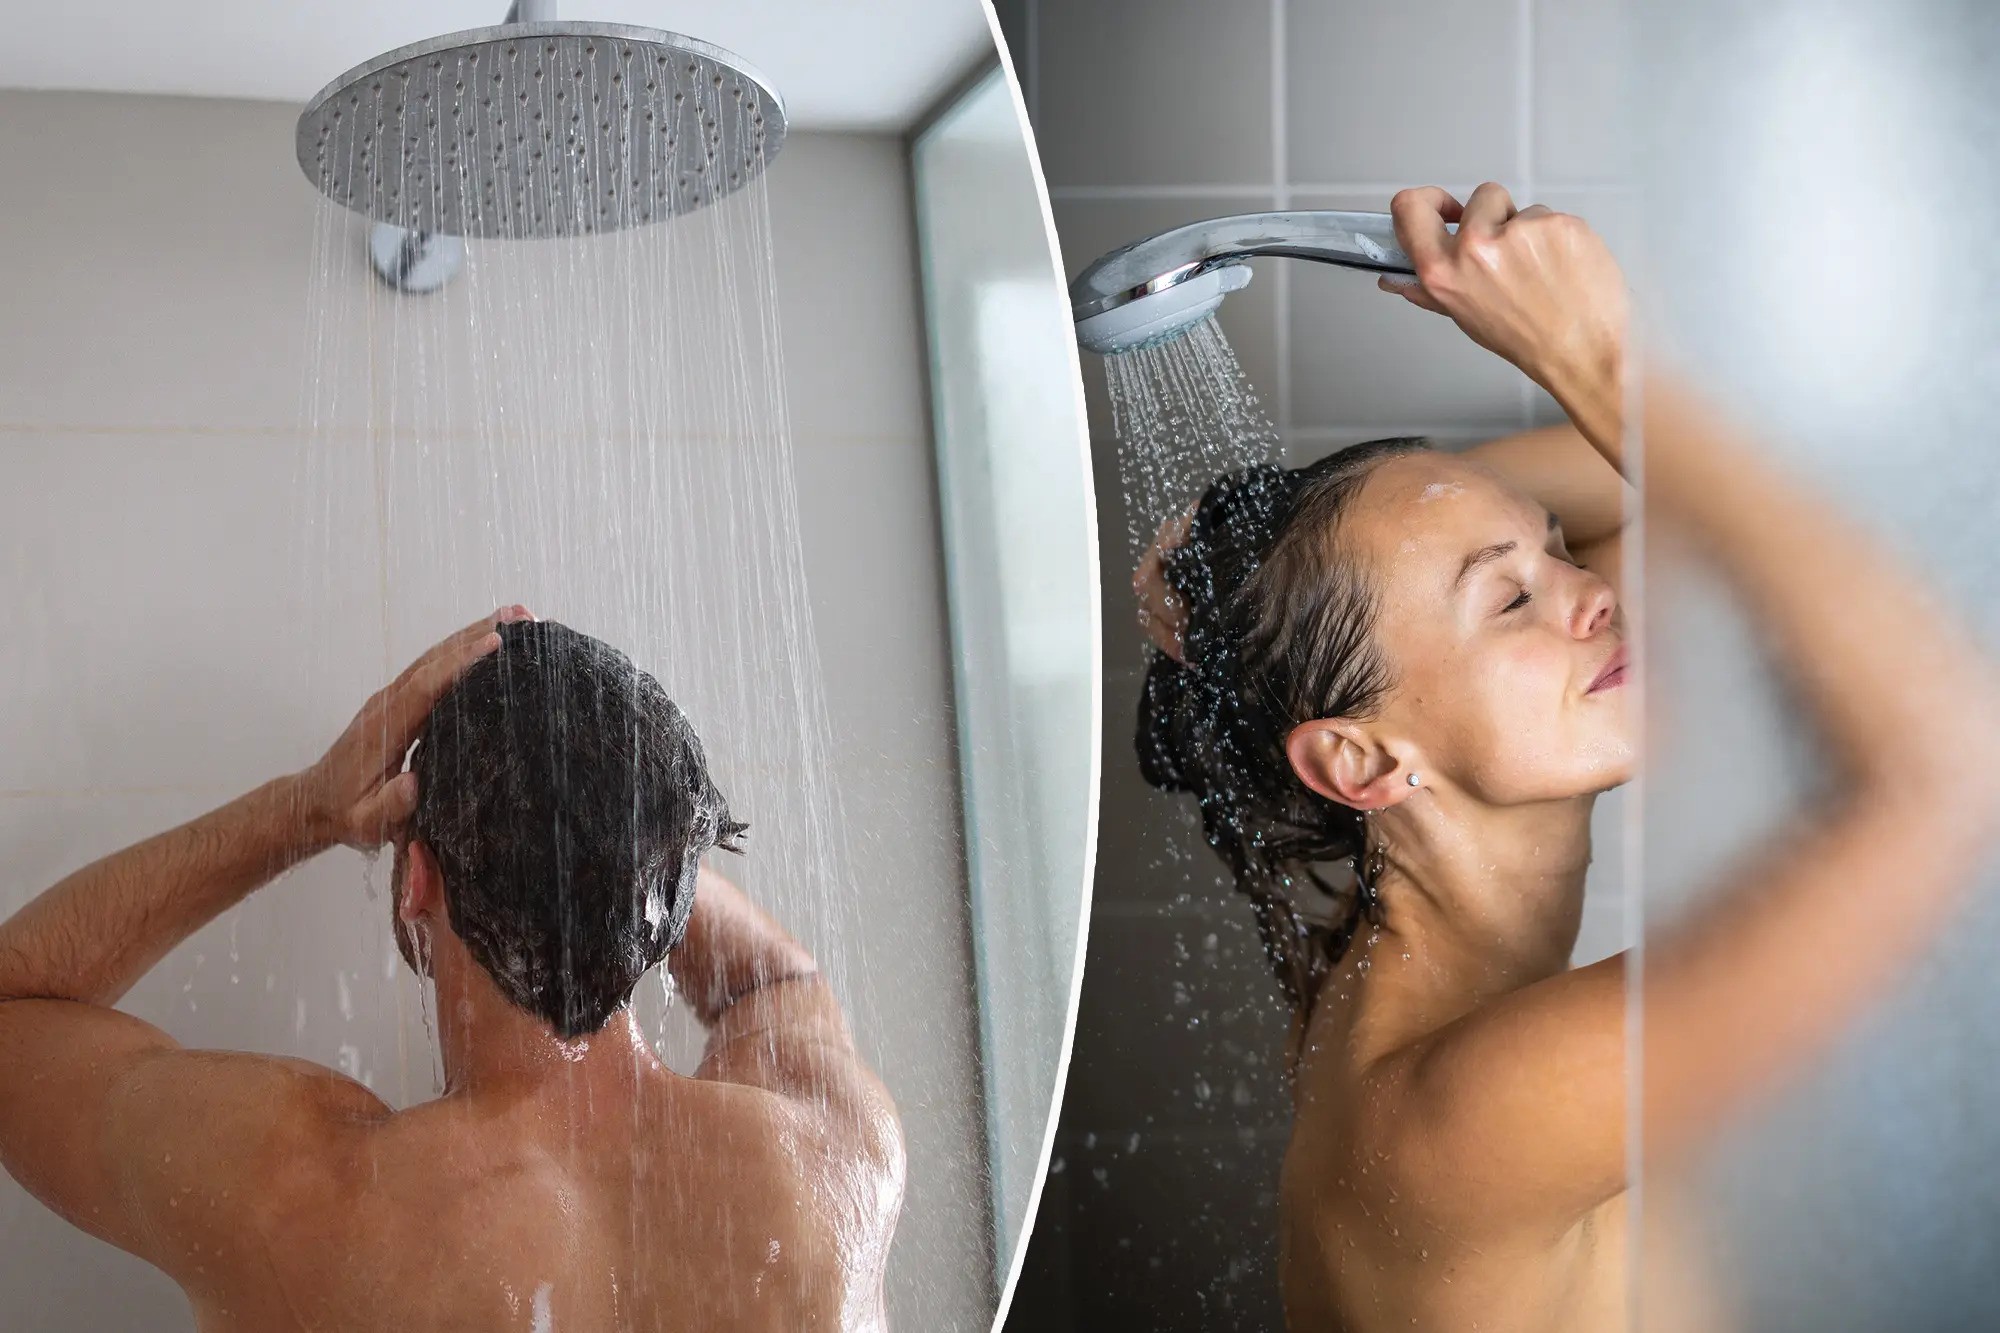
column 1411, row 91
column 85, row 271
column 1150, row 114
column 1191, row 71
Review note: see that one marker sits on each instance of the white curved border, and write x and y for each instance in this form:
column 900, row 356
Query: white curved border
column 1096, row 685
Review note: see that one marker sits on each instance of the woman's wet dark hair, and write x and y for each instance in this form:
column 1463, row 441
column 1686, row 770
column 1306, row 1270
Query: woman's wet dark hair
column 1280, row 630
column 568, row 804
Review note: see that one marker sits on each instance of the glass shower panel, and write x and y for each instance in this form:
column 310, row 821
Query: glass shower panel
column 1021, row 562
column 1819, row 184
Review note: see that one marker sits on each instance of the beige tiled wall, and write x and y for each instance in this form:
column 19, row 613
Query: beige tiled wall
column 200, row 589
column 1149, row 114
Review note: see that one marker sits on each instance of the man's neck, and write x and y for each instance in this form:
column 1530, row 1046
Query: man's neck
column 492, row 1047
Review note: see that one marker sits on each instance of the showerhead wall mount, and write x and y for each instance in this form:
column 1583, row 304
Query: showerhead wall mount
column 1154, row 290
column 414, row 261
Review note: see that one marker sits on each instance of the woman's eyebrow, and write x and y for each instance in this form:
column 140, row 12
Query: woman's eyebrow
column 1485, row 555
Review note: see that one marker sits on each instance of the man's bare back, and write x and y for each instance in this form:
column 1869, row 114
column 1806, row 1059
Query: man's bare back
column 566, row 1178
column 669, row 1203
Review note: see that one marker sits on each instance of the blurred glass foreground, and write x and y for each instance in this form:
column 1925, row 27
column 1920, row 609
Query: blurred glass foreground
column 1818, row 181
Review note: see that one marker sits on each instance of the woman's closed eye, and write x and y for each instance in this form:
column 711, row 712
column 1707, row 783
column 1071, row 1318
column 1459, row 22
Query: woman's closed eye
column 1561, row 553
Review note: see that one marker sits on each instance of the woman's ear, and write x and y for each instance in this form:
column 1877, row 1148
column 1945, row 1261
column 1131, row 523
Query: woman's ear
column 1342, row 762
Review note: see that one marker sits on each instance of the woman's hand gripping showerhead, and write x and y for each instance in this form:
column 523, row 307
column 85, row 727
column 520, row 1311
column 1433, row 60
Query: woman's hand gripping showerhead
column 1534, row 286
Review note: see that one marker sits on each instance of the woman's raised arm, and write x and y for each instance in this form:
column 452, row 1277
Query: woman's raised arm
column 1834, row 907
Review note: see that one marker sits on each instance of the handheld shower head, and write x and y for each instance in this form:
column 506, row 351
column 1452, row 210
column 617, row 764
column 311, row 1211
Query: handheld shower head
column 1177, row 303
column 1154, row 290
column 540, row 129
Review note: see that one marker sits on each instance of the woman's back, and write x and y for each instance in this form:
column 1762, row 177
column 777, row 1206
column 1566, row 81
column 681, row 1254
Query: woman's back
column 1362, row 1249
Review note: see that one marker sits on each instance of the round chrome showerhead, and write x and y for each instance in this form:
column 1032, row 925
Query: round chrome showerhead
column 1162, row 312
column 540, row 129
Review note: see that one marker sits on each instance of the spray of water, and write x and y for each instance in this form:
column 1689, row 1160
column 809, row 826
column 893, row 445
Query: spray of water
column 596, row 428
column 1183, row 413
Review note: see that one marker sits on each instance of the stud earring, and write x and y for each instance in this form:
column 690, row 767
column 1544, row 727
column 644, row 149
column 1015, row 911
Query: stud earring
column 1413, row 779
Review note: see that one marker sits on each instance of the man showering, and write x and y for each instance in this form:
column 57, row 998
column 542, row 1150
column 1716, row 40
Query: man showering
column 548, row 837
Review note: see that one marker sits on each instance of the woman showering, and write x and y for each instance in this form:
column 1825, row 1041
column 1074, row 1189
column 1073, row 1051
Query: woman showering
column 1397, row 679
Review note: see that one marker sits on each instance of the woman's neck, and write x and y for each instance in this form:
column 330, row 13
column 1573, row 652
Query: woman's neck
column 1475, row 901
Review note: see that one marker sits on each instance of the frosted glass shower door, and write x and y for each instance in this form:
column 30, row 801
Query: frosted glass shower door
column 1819, row 182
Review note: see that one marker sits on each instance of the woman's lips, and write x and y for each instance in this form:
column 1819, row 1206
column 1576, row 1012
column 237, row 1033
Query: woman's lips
column 1613, row 674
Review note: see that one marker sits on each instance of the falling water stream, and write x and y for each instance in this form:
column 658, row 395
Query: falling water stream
column 596, row 427
column 1183, row 413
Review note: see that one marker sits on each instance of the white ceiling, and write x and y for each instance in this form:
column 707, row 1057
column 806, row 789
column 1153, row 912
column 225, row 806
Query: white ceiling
column 839, row 64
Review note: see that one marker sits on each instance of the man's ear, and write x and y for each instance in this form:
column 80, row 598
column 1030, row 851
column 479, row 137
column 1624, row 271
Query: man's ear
column 421, row 893
column 1345, row 763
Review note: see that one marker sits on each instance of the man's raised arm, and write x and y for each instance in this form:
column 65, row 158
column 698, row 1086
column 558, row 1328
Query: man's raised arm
column 105, row 1118
column 773, row 1021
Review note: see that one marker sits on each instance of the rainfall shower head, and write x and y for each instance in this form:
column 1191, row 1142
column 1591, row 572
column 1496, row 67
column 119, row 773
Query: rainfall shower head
column 1154, row 290
column 550, row 128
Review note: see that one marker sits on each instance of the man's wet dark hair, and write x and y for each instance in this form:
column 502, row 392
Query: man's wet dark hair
column 1280, row 630
column 568, row 804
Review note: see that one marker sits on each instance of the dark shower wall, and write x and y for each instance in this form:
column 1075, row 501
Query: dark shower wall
column 1148, row 113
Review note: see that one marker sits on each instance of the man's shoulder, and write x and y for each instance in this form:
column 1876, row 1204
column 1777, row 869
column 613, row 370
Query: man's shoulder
column 854, row 1130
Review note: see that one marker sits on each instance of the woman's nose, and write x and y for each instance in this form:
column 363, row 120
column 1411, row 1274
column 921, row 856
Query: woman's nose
column 1595, row 606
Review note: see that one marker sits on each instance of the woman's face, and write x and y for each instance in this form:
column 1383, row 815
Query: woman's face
column 1497, row 643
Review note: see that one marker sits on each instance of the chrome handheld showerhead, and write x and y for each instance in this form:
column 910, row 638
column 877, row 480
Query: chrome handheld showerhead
column 1154, row 290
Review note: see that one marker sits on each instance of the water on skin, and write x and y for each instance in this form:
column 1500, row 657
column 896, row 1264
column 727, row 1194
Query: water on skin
column 597, row 428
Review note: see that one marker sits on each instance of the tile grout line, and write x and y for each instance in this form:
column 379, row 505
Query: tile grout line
column 418, row 434
column 1111, row 194
column 207, row 790
column 291, row 432
column 1033, row 40
column 1524, row 90
column 377, row 443
column 1204, row 1135
column 1222, row 911
column 1281, row 197
column 381, row 455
